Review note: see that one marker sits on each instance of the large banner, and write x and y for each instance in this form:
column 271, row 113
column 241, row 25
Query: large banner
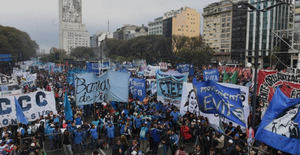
column 138, row 88
column 279, row 127
column 189, row 99
column 268, row 81
column 34, row 105
column 214, row 98
column 112, row 86
column 169, row 87
column 211, row 74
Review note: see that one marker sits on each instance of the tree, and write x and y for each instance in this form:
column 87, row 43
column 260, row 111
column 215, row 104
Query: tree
column 83, row 53
column 55, row 56
column 17, row 43
column 152, row 48
column 191, row 50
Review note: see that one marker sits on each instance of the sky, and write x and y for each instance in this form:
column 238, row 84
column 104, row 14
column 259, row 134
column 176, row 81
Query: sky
column 39, row 18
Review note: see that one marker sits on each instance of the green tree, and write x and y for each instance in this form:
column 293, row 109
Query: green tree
column 55, row 56
column 83, row 53
column 191, row 50
column 17, row 43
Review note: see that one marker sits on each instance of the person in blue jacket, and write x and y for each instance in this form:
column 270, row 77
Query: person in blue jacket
column 110, row 131
column 94, row 136
column 137, row 124
column 155, row 135
column 78, row 138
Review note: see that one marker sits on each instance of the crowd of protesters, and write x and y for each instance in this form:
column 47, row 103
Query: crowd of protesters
column 132, row 128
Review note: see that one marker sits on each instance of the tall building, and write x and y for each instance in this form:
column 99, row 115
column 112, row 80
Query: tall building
column 223, row 30
column 274, row 22
column 129, row 32
column 97, row 39
column 183, row 22
column 72, row 33
column 296, row 36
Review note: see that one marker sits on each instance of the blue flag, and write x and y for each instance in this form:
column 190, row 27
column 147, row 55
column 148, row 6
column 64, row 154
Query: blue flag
column 279, row 127
column 214, row 98
column 138, row 88
column 19, row 112
column 67, row 108
column 211, row 74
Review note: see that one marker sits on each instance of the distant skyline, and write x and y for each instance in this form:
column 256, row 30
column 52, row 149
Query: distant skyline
column 39, row 18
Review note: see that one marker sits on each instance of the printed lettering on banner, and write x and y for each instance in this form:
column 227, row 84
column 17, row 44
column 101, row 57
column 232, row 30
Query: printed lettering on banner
column 269, row 81
column 169, row 88
column 34, row 105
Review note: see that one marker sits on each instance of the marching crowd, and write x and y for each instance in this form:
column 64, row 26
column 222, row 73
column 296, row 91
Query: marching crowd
column 133, row 128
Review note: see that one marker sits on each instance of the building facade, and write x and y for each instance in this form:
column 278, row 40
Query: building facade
column 274, row 22
column 296, row 37
column 97, row 39
column 217, row 29
column 182, row 22
column 72, row 33
column 128, row 32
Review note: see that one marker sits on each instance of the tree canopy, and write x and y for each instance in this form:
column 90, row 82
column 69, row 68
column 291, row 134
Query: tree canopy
column 83, row 53
column 17, row 43
column 155, row 49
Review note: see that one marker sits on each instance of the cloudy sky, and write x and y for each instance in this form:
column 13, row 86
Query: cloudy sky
column 39, row 18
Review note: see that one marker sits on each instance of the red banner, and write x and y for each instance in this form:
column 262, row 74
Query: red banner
column 269, row 80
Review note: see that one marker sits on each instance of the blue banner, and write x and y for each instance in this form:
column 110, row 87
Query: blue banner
column 138, row 88
column 185, row 68
column 70, row 77
column 279, row 127
column 217, row 99
column 111, row 86
column 211, row 74
column 169, row 87
column 92, row 67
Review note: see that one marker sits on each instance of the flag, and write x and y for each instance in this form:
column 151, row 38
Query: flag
column 67, row 108
column 233, row 78
column 225, row 77
column 19, row 112
column 279, row 127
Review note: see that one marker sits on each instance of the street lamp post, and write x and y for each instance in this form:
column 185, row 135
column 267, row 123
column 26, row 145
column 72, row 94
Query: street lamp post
column 256, row 55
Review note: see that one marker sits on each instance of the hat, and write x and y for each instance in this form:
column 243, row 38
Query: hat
column 230, row 141
column 237, row 135
column 32, row 144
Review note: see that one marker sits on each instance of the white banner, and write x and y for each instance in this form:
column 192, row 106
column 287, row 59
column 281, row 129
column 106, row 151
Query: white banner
column 189, row 98
column 151, row 70
column 6, row 80
column 34, row 105
column 151, row 86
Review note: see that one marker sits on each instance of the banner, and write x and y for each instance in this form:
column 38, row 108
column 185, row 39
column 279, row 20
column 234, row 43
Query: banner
column 279, row 127
column 34, row 105
column 112, row 86
column 151, row 86
column 138, row 88
column 163, row 66
column 214, row 98
column 5, row 80
column 188, row 100
column 151, row 70
column 169, row 87
column 268, row 81
column 92, row 67
column 185, row 68
column 211, row 74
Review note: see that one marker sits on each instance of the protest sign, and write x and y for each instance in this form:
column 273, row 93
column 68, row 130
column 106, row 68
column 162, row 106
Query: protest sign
column 112, row 86
column 5, row 80
column 188, row 100
column 279, row 127
column 34, row 105
column 211, row 74
column 138, row 88
column 169, row 87
column 214, row 98
column 151, row 86
column 269, row 80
